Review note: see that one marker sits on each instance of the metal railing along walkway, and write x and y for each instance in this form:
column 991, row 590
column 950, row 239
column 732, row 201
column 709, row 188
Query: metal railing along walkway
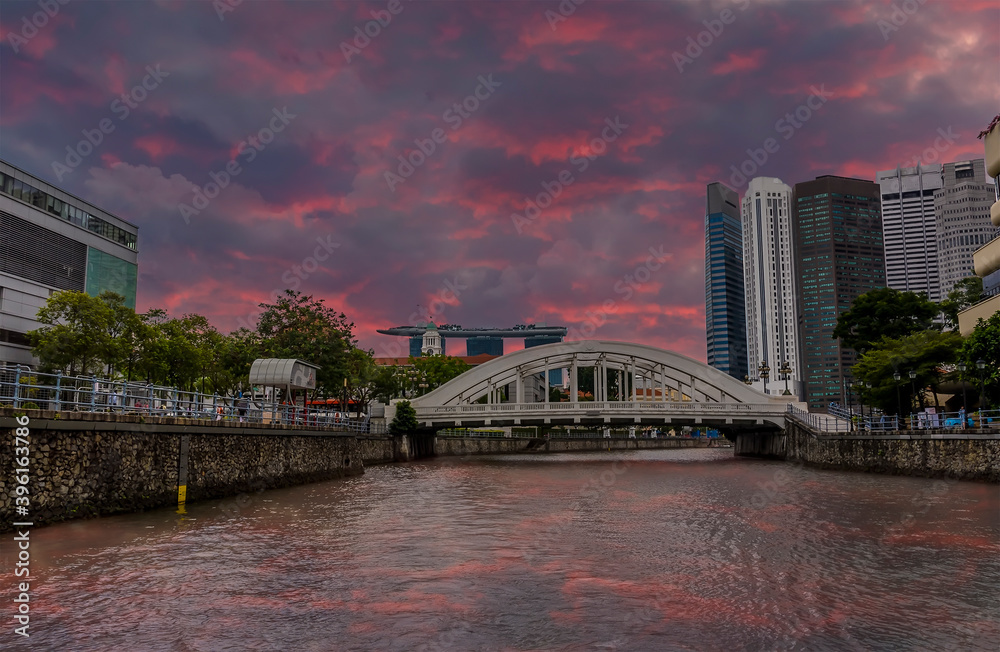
column 841, row 422
column 23, row 388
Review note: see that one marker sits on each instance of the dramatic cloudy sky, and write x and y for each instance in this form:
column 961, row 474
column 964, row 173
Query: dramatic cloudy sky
column 443, row 237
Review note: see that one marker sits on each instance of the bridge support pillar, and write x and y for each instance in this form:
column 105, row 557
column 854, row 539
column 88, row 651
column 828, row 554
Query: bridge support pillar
column 770, row 444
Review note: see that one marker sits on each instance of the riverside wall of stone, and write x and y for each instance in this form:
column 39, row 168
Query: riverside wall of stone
column 82, row 465
column 960, row 456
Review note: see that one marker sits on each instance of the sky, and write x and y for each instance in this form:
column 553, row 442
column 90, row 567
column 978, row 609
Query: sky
column 476, row 163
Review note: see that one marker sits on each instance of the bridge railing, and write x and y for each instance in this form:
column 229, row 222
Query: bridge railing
column 21, row 387
column 610, row 406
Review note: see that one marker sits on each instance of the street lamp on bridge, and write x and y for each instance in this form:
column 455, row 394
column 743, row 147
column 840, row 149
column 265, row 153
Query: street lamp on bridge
column 785, row 372
column 913, row 388
column 765, row 373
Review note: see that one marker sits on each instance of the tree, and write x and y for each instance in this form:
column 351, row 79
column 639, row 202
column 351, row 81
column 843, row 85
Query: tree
column 883, row 312
column 240, row 349
column 362, row 381
column 405, row 420
column 388, row 383
column 924, row 352
column 126, row 335
column 436, row 370
column 984, row 344
column 967, row 292
column 298, row 326
column 80, row 332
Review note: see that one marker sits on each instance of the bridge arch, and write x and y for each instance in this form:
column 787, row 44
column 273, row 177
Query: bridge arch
column 650, row 380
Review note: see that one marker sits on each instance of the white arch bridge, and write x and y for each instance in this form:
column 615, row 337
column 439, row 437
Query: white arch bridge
column 634, row 384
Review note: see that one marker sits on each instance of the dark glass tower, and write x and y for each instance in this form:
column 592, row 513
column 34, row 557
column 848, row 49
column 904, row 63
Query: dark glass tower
column 837, row 226
column 725, row 310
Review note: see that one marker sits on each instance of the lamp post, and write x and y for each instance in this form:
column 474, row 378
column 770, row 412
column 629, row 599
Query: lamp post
column 746, row 380
column 860, row 386
column 913, row 388
column 981, row 366
column 961, row 379
column 848, row 384
column 899, row 402
column 765, row 373
column 343, row 405
column 785, row 372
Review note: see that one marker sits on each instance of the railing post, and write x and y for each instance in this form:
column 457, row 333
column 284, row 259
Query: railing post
column 17, row 385
column 93, row 393
column 59, row 391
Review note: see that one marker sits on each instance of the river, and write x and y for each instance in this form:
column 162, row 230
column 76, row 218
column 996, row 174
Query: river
column 648, row 550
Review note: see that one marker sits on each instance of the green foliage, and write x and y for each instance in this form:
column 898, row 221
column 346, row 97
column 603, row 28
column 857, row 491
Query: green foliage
column 298, row 326
column 362, row 378
column 436, row 370
column 388, row 383
column 984, row 344
column 923, row 352
column 405, row 420
column 967, row 292
column 74, row 335
column 883, row 312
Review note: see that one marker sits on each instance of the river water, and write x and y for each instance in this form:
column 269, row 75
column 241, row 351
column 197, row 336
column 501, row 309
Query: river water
column 652, row 550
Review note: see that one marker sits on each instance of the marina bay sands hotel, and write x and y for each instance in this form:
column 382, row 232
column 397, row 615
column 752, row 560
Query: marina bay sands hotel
column 477, row 340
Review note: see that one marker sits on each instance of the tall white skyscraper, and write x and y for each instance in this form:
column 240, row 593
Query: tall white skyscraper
column 909, row 228
column 769, row 278
column 962, row 208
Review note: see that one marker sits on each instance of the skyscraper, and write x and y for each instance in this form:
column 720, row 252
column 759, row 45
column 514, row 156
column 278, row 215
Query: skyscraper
column 725, row 310
column 769, row 270
column 909, row 228
column 838, row 244
column 962, row 208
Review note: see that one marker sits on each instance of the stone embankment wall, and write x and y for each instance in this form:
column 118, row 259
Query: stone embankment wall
column 502, row 445
column 968, row 456
column 383, row 449
column 121, row 463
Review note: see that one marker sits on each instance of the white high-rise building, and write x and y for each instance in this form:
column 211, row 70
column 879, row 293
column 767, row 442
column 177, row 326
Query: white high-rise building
column 962, row 208
column 909, row 228
column 769, row 278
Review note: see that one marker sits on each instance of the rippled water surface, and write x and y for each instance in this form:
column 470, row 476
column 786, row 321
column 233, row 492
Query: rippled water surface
column 652, row 550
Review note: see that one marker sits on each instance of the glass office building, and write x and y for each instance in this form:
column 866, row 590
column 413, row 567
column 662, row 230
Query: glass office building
column 837, row 226
column 725, row 310
column 51, row 240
